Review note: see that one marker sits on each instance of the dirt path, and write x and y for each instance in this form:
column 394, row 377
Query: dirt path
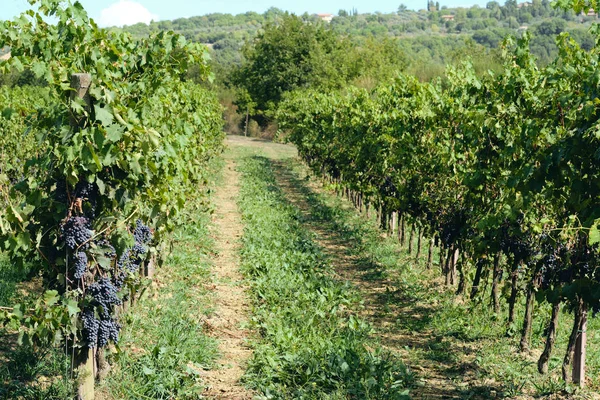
column 231, row 302
column 383, row 302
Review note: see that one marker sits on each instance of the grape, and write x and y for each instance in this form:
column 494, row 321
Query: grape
column 80, row 263
column 139, row 250
column 142, row 233
column 76, row 232
column 132, row 258
column 124, row 260
column 85, row 190
column 90, row 327
column 119, row 279
column 108, row 330
column 104, row 294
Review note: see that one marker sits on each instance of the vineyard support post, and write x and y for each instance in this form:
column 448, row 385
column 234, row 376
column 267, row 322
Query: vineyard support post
column 579, row 357
column 84, row 360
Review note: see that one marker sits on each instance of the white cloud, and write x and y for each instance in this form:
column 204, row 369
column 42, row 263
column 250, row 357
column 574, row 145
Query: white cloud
column 125, row 12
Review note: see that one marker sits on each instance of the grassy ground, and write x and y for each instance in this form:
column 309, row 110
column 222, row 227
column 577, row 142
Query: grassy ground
column 312, row 344
column 456, row 348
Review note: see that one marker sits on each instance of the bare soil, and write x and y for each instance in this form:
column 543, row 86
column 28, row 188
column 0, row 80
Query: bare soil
column 230, row 301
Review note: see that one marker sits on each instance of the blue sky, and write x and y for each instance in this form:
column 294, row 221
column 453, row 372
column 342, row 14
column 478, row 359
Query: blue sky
column 118, row 12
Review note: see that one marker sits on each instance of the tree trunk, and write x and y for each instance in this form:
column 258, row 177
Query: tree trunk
column 462, row 283
column 477, row 279
column 410, row 238
column 580, row 314
column 430, row 253
column 402, row 231
column 442, row 261
column 550, row 339
column 513, row 295
column 579, row 358
column 453, row 265
column 496, row 284
column 528, row 318
column 447, row 265
column 419, row 238
column 103, row 365
column 84, row 364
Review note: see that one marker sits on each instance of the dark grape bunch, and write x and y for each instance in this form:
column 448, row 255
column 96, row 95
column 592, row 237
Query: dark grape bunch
column 76, row 232
column 107, row 331
column 90, row 327
column 98, row 333
column 132, row 258
column 60, row 192
column 142, row 233
column 85, row 190
column 104, row 294
column 80, row 264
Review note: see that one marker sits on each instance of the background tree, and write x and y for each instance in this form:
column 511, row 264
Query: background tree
column 288, row 55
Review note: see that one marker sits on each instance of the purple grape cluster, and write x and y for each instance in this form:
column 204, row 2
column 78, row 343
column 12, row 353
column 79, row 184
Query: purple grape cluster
column 142, row 233
column 80, row 264
column 90, row 327
column 77, row 232
column 132, row 258
column 104, row 294
column 85, row 190
column 108, row 330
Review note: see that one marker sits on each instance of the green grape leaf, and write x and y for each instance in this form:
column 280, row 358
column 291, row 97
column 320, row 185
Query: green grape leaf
column 104, row 115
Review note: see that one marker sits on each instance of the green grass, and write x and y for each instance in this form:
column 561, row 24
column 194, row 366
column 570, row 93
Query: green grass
column 10, row 277
column 311, row 344
column 465, row 337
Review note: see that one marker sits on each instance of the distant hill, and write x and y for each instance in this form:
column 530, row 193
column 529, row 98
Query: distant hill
column 423, row 33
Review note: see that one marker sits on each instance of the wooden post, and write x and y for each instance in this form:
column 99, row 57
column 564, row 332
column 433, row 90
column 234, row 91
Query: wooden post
column 150, row 267
column 85, row 357
column 84, row 361
column 246, row 124
column 579, row 357
column 80, row 85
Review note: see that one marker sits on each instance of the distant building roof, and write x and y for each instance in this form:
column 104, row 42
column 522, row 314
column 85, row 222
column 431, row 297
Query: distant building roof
column 448, row 17
column 325, row 17
column 524, row 4
column 5, row 57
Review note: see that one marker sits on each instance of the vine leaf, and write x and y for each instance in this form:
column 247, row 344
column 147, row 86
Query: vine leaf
column 104, row 115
